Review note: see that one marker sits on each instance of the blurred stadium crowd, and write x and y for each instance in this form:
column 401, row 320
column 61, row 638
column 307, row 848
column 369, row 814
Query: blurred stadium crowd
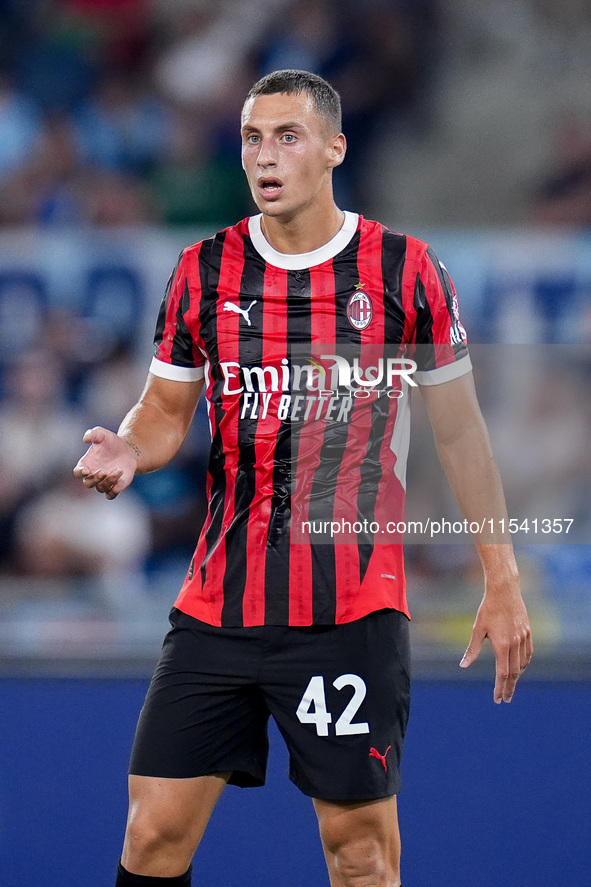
column 123, row 113
column 117, row 112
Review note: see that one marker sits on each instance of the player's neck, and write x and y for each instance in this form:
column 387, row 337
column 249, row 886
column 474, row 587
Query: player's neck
column 305, row 232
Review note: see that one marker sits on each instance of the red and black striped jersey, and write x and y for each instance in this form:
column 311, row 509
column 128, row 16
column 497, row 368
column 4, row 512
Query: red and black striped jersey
column 306, row 387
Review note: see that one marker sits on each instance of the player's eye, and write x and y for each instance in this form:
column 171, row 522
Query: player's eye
column 289, row 137
column 253, row 138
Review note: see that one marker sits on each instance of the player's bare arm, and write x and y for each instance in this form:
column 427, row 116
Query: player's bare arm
column 465, row 452
column 148, row 438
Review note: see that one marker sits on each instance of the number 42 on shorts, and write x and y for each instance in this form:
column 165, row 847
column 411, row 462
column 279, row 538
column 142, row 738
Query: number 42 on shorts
column 312, row 708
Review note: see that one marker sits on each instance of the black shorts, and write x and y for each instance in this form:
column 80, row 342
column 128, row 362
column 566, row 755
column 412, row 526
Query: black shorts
column 339, row 694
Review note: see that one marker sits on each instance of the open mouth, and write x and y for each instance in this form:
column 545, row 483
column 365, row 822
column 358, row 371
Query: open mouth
column 270, row 186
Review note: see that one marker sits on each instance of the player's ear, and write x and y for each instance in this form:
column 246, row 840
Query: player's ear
column 337, row 147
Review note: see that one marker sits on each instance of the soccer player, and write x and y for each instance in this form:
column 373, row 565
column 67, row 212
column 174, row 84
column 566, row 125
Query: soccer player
column 273, row 619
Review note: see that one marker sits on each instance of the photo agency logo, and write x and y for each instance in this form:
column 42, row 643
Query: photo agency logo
column 383, row 377
column 325, row 384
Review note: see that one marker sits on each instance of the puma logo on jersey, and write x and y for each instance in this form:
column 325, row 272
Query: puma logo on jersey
column 373, row 753
column 230, row 306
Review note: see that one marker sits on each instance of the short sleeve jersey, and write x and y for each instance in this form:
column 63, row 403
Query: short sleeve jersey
column 305, row 359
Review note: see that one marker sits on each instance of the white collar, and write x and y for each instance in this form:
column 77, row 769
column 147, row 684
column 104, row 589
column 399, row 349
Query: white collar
column 300, row 261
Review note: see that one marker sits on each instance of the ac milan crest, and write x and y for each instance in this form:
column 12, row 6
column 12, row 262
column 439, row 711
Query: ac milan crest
column 359, row 310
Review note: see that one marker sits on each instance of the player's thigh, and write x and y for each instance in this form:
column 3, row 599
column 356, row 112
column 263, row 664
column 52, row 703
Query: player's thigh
column 340, row 696
column 168, row 810
column 341, row 821
column 360, row 834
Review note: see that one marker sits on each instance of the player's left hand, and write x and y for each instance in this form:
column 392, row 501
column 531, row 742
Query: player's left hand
column 503, row 619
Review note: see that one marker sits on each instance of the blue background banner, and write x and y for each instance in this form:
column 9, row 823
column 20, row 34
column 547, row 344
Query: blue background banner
column 491, row 794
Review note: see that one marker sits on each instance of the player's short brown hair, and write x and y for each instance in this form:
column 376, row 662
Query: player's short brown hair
column 326, row 99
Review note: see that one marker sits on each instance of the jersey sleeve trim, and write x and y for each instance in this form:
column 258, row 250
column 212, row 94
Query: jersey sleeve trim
column 175, row 373
column 444, row 373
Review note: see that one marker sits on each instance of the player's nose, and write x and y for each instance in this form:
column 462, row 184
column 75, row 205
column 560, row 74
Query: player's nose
column 267, row 155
